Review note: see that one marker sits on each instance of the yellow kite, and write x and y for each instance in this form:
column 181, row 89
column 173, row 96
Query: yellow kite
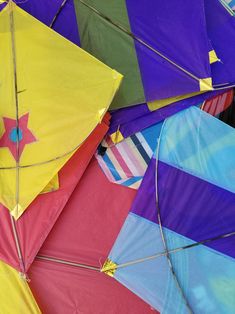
column 53, row 94
column 15, row 294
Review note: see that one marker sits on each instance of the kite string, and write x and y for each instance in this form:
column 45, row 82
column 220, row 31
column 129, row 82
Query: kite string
column 101, row 263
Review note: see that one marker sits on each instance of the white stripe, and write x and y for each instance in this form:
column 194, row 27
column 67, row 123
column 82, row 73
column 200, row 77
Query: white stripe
column 145, row 144
column 105, row 168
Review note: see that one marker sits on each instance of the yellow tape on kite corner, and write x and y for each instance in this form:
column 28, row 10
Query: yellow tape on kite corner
column 63, row 93
column 206, row 84
column 53, row 185
column 15, row 294
column 117, row 137
column 213, row 57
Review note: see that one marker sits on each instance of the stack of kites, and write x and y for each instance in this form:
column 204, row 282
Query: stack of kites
column 117, row 156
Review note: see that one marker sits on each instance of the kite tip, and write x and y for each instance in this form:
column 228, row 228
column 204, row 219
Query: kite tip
column 205, row 84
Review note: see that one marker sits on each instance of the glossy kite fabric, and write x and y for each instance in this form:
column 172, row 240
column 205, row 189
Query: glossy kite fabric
column 58, row 15
column 153, row 68
column 124, row 159
column 15, row 294
column 33, row 115
column 124, row 156
column 87, row 291
column 220, row 28
column 34, row 226
column 133, row 215
column 217, row 104
column 183, row 219
column 126, row 162
column 128, row 121
column 83, row 235
column 227, row 115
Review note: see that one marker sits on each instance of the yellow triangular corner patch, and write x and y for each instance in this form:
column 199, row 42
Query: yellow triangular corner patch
column 63, row 92
column 205, row 84
column 15, row 294
column 109, row 268
column 53, row 185
column 117, row 137
column 213, row 57
column 17, row 211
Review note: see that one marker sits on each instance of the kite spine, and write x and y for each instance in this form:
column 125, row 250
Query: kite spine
column 13, row 49
column 162, row 232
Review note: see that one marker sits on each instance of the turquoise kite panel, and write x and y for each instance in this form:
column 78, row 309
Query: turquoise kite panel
column 201, row 145
column 207, row 278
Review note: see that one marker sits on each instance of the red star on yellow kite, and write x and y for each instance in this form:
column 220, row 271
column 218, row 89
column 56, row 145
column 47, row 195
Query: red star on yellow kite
column 12, row 135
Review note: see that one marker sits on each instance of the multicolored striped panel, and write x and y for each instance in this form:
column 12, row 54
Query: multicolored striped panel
column 219, row 103
column 127, row 154
column 231, row 3
column 125, row 163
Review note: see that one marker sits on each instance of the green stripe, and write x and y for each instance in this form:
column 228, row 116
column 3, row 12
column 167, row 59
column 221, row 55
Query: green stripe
column 115, row 10
column 112, row 46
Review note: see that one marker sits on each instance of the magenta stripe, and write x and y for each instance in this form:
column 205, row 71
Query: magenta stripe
column 121, row 162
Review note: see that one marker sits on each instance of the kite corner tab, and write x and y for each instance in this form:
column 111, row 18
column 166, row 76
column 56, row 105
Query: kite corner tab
column 205, row 84
column 213, row 57
column 101, row 114
column 117, row 137
column 17, row 211
column 10, row 4
column 118, row 77
column 109, row 268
